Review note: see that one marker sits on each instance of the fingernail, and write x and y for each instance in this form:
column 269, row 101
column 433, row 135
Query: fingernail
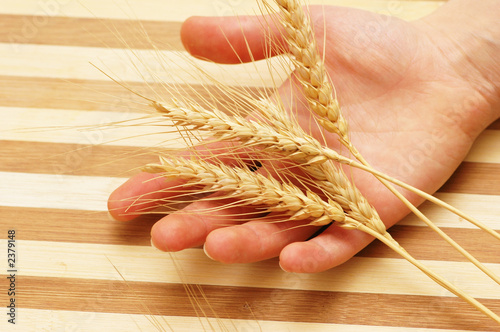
column 282, row 267
column 153, row 245
column 206, row 253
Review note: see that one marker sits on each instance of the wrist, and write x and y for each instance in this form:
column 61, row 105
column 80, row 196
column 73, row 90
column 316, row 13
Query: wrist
column 468, row 35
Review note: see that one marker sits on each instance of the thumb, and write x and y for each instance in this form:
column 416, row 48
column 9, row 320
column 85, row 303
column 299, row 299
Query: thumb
column 234, row 39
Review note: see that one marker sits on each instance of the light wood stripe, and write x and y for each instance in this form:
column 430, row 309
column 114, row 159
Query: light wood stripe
column 251, row 303
column 45, row 320
column 485, row 208
column 69, row 62
column 83, row 127
column 163, row 10
column 58, row 191
column 486, row 148
column 127, row 9
column 145, row 264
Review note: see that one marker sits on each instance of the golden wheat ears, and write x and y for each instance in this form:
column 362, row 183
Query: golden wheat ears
column 278, row 134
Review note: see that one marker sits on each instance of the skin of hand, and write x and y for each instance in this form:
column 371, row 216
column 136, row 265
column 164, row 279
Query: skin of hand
column 416, row 95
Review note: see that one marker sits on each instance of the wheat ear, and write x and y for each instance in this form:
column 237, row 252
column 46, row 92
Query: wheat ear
column 310, row 69
column 252, row 188
column 304, row 150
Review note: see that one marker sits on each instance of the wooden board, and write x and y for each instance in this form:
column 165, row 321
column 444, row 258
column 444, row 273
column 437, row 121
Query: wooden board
column 77, row 270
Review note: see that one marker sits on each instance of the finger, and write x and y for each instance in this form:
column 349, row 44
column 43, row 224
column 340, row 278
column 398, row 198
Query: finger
column 256, row 240
column 139, row 194
column 232, row 39
column 331, row 248
column 190, row 226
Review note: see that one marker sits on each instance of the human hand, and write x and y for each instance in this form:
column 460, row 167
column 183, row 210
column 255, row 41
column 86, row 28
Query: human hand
column 413, row 114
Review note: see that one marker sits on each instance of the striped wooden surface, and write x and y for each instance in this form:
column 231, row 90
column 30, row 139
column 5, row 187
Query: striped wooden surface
column 79, row 271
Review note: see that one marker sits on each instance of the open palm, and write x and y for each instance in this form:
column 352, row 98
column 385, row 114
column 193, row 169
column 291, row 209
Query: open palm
column 411, row 115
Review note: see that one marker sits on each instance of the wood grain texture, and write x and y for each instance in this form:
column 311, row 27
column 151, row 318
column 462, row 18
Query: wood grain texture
column 95, row 95
column 474, row 178
column 76, row 31
column 79, row 270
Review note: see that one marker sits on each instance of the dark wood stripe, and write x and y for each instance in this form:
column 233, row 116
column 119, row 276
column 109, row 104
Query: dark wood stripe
column 102, row 95
column 250, row 303
column 55, row 93
column 474, row 178
column 75, row 226
column 95, row 227
column 425, row 244
column 65, row 94
column 73, row 159
column 495, row 125
column 89, row 32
